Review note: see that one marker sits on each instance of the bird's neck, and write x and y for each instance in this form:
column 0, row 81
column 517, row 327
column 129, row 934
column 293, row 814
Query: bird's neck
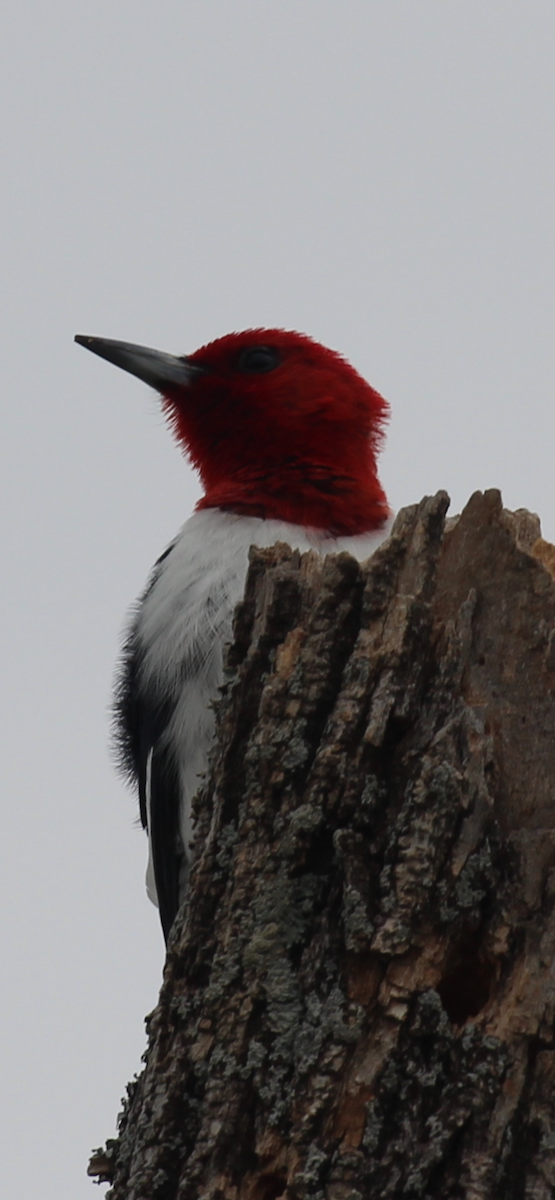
column 304, row 494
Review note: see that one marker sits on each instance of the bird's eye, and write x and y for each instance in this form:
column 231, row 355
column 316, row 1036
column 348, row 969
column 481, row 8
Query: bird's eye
column 259, row 359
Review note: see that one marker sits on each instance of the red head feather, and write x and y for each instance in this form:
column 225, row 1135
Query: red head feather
column 279, row 426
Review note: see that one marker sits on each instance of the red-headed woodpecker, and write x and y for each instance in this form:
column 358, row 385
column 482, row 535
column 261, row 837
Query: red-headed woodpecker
column 284, row 434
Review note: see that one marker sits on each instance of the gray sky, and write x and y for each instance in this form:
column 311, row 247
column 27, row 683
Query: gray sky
column 379, row 175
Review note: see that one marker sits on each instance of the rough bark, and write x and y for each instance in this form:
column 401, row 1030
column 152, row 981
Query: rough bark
column 359, row 996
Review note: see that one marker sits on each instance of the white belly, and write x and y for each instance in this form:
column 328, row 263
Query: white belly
column 186, row 620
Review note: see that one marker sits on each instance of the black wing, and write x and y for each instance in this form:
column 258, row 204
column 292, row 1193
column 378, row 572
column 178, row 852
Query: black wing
column 140, row 722
column 167, row 851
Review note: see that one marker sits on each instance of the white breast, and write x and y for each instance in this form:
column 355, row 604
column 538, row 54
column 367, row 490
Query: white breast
column 186, row 620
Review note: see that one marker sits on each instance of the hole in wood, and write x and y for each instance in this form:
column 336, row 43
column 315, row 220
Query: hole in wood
column 270, row 1187
column 467, row 981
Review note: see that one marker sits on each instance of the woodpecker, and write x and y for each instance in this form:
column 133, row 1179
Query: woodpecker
column 284, row 434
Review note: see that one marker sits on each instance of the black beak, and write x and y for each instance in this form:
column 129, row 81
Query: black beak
column 152, row 366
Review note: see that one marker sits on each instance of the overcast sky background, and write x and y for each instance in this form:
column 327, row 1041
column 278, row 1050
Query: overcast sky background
column 379, row 175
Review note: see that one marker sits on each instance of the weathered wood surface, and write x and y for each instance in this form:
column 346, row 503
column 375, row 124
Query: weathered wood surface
column 359, row 998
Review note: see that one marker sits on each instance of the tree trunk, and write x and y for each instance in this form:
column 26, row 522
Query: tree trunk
column 359, row 995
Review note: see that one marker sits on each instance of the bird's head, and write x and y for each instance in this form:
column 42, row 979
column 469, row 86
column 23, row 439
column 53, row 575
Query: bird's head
column 276, row 424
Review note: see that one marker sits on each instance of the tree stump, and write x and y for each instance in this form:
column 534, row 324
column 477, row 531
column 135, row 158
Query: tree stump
column 359, row 995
